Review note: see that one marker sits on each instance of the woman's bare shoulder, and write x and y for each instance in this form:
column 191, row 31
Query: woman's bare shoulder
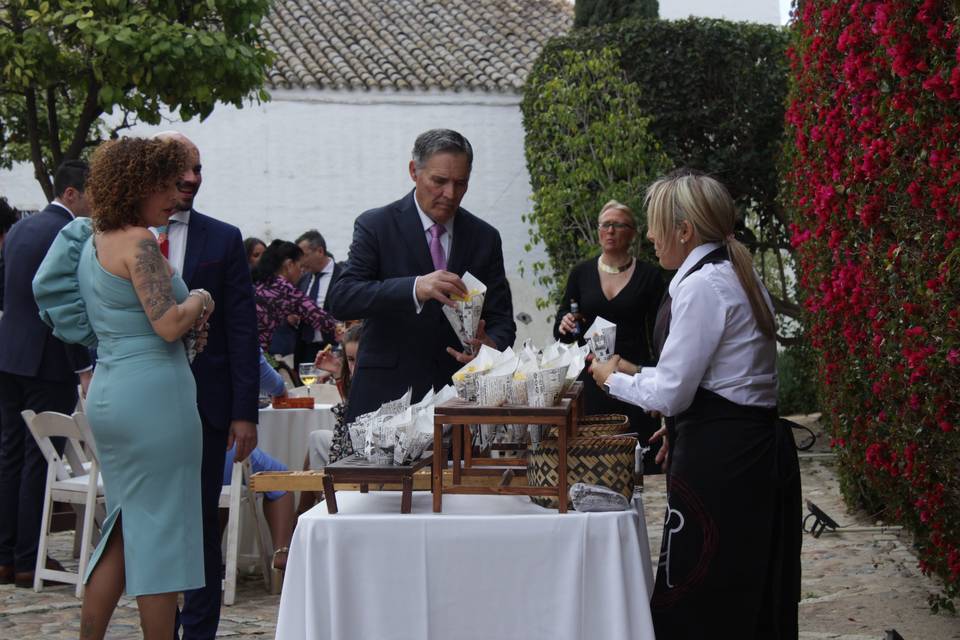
column 118, row 249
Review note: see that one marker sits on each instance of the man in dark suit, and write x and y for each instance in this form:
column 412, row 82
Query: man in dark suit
column 209, row 255
column 37, row 372
column 405, row 262
column 321, row 272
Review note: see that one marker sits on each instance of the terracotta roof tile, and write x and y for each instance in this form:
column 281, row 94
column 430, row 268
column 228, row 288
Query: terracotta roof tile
column 471, row 45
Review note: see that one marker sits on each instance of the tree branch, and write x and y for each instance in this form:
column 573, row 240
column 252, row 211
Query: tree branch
column 40, row 171
column 91, row 111
column 787, row 308
column 53, row 126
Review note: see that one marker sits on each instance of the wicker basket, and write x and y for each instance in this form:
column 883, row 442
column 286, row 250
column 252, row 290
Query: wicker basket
column 604, row 460
column 610, row 419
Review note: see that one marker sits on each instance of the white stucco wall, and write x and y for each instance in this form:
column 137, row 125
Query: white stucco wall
column 318, row 159
column 763, row 11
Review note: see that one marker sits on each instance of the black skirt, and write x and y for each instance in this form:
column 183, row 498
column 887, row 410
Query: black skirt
column 730, row 556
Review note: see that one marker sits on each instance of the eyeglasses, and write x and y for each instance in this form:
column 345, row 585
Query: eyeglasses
column 614, row 226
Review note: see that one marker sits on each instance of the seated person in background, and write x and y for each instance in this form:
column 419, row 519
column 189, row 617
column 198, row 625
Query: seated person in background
column 277, row 505
column 276, row 295
column 254, row 248
column 324, row 446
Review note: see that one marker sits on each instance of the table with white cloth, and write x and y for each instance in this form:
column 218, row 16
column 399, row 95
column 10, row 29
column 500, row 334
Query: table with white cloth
column 487, row 567
column 283, row 433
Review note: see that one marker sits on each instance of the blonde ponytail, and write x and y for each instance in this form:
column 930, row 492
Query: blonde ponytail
column 706, row 204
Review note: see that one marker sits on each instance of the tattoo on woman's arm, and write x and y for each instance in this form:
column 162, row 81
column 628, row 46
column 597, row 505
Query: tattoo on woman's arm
column 154, row 281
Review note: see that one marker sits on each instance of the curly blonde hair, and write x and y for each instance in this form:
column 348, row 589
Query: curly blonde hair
column 123, row 172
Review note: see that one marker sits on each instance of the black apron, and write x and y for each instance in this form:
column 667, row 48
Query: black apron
column 730, row 555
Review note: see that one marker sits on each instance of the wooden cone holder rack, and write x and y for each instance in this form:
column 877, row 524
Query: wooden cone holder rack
column 462, row 414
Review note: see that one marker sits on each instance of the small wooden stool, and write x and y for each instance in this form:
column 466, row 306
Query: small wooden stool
column 361, row 471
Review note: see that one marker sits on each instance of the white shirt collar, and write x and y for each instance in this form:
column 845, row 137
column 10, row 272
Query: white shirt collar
column 64, row 207
column 425, row 219
column 695, row 256
column 328, row 268
column 181, row 216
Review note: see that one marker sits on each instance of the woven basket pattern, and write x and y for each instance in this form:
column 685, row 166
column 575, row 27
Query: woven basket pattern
column 604, row 460
column 585, row 430
column 612, row 419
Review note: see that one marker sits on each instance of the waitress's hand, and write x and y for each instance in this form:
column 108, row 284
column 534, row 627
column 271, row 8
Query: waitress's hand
column 663, row 455
column 602, row 370
column 567, row 324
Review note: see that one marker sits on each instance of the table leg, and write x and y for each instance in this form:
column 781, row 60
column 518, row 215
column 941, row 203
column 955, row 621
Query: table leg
column 458, row 438
column 438, row 464
column 364, row 487
column 329, row 494
column 562, row 466
column 406, row 501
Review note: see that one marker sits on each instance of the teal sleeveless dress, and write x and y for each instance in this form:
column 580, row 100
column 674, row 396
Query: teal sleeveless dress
column 142, row 409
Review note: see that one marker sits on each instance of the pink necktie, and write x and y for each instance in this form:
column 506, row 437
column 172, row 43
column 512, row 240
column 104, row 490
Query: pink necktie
column 436, row 249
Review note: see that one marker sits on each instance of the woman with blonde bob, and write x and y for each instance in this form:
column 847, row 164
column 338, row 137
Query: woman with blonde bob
column 730, row 557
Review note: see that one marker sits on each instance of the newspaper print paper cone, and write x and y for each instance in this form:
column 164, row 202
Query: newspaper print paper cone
column 465, row 316
column 602, row 338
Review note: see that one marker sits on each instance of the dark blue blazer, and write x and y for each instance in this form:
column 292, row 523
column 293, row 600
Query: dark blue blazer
column 227, row 371
column 27, row 345
column 399, row 347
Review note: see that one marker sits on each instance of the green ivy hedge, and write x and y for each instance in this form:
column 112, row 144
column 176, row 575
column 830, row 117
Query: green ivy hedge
column 590, row 13
column 714, row 94
column 873, row 182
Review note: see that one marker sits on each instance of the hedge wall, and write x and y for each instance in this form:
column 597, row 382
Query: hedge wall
column 873, row 182
column 714, row 92
column 590, row 13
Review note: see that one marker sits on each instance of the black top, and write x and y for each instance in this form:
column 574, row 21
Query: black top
column 633, row 310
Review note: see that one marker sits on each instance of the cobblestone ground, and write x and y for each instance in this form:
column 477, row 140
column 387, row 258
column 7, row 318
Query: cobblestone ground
column 855, row 585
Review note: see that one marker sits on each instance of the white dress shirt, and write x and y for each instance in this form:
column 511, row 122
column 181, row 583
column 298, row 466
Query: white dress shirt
column 446, row 241
column 322, row 288
column 176, row 239
column 714, row 343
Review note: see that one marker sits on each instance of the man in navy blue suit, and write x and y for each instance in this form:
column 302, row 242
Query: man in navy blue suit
column 209, row 255
column 320, row 272
column 37, row 372
column 405, row 261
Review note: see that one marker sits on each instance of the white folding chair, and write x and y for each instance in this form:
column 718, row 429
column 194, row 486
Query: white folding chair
column 71, row 478
column 231, row 497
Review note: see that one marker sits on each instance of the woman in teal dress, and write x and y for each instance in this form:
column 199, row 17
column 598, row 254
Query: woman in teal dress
column 104, row 283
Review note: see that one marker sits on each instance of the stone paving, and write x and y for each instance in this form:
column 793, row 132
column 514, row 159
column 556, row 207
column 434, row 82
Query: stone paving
column 856, row 586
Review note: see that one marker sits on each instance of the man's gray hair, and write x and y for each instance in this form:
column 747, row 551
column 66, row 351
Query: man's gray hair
column 435, row 141
column 314, row 238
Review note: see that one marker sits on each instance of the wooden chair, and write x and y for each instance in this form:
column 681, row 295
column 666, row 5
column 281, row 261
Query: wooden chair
column 71, row 478
column 231, row 497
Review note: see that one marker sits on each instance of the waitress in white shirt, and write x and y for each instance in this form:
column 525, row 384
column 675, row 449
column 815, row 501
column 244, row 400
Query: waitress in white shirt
column 730, row 557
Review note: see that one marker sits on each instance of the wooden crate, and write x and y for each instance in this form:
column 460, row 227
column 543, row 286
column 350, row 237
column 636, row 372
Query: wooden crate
column 461, row 415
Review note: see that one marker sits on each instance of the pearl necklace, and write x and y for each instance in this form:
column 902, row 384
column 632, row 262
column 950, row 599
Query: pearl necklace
column 608, row 269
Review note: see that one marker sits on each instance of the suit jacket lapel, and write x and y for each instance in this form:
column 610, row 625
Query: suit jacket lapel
column 196, row 239
column 411, row 230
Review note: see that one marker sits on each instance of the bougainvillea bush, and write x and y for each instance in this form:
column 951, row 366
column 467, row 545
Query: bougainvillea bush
column 872, row 181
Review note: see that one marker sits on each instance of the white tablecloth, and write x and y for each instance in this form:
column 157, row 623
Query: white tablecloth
column 487, row 567
column 283, row 432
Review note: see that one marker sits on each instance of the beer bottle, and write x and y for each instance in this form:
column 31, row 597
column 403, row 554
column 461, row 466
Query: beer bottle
column 575, row 310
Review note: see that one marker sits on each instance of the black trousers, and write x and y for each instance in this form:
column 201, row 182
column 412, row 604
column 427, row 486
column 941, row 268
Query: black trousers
column 23, row 469
column 730, row 556
column 200, row 616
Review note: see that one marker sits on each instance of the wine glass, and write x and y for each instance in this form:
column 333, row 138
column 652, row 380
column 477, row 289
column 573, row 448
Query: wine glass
column 308, row 374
